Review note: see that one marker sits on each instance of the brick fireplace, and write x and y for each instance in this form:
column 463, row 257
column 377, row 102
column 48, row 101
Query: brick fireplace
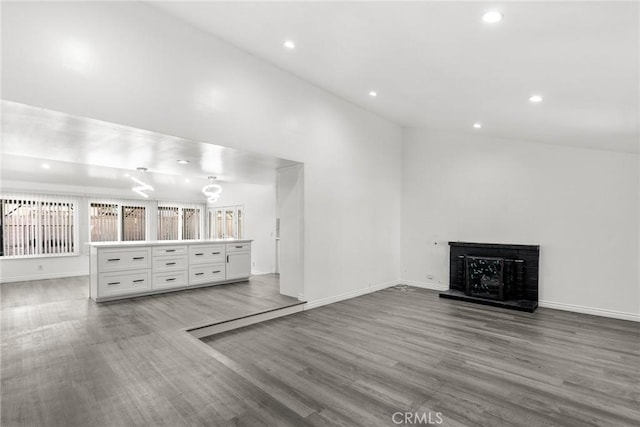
column 501, row 275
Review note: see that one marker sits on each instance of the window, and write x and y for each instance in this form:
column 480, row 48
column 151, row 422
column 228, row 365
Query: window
column 190, row 223
column 114, row 221
column 168, row 218
column 37, row 225
column 104, row 222
column 226, row 222
column 179, row 222
column 133, row 223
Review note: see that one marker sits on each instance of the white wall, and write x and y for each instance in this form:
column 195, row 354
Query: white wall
column 147, row 70
column 290, row 214
column 259, row 203
column 580, row 206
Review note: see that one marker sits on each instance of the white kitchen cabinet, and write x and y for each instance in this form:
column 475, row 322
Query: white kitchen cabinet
column 238, row 260
column 127, row 269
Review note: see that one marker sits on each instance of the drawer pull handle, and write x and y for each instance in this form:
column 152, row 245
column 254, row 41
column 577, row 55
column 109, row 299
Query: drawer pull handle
column 170, row 280
column 113, row 283
column 138, row 257
column 170, row 250
column 200, row 254
column 199, row 274
column 227, row 258
column 215, row 253
column 169, row 263
column 113, row 259
column 217, row 271
column 239, row 247
column 138, row 281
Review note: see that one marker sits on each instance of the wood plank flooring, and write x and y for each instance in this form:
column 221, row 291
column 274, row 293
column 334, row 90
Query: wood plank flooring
column 67, row 361
column 404, row 350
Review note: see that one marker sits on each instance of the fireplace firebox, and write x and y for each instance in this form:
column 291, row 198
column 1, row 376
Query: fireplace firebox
column 502, row 275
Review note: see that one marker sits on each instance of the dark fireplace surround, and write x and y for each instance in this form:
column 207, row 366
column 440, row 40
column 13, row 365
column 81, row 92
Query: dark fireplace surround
column 500, row 275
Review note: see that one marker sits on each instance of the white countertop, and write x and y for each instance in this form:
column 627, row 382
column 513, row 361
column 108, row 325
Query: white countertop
column 165, row 242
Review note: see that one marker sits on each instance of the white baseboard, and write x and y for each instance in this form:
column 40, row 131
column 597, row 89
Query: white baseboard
column 424, row 285
column 547, row 304
column 43, row 276
column 260, row 273
column 635, row 317
column 348, row 295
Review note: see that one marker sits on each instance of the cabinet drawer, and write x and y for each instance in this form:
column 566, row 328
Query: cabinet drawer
column 168, row 263
column 113, row 284
column 176, row 279
column 206, row 254
column 238, row 247
column 169, row 250
column 206, row 274
column 123, row 259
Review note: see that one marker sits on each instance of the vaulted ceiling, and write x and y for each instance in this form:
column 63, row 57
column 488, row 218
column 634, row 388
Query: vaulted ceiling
column 438, row 65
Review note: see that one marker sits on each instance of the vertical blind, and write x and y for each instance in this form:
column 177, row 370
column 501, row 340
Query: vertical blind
column 104, row 222
column 37, row 225
column 133, row 223
column 190, row 223
column 179, row 221
column 117, row 220
column 168, row 217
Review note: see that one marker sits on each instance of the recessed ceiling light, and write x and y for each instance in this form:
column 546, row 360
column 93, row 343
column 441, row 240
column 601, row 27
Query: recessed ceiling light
column 187, row 180
column 76, row 56
column 477, row 125
column 183, row 162
column 45, row 166
column 289, row 44
column 535, row 98
column 127, row 175
column 492, row 17
column 373, row 94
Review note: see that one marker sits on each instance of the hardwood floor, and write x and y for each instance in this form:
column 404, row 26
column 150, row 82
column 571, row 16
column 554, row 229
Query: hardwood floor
column 68, row 361
column 404, row 350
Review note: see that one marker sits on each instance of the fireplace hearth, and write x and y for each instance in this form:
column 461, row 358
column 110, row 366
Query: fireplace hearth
column 502, row 275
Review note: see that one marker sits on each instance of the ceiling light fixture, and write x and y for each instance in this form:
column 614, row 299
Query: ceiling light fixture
column 187, row 180
column 143, row 186
column 127, row 175
column 289, row 44
column 492, row 17
column 373, row 94
column 535, row 98
column 183, row 162
column 140, row 189
column 45, row 166
column 212, row 191
column 477, row 125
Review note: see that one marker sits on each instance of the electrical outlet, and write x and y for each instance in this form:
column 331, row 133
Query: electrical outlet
column 40, row 267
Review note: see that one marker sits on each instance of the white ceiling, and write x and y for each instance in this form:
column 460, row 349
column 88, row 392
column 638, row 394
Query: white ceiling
column 437, row 65
column 93, row 153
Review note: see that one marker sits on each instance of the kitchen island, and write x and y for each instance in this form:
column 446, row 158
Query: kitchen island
column 128, row 269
